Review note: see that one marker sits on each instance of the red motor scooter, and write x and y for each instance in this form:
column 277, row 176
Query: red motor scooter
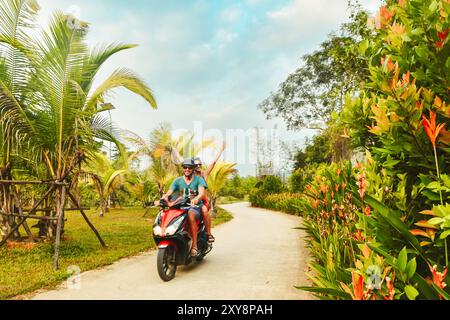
column 173, row 239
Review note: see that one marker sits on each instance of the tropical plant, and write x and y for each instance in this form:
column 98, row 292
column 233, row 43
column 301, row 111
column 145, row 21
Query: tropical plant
column 49, row 108
column 217, row 180
column 107, row 175
column 164, row 165
column 142, row 187
column 238, row 187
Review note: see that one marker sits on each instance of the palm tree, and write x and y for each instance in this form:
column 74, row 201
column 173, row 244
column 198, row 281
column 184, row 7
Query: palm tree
column 70, row 106
column 49, row 108
column 185, row 147
column 106, row 175
column 158, row 149
column 16, row 18
column 142, row 186
column 217, row 180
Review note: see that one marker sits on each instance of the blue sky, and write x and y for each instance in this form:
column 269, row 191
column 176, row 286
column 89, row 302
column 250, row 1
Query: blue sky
column 207, row 60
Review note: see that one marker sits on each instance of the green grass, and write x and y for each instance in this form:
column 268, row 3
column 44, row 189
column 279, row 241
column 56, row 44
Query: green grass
column 222, row 217
column 125, row 232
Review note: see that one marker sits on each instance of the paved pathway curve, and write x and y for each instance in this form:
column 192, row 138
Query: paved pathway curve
column 258, row 255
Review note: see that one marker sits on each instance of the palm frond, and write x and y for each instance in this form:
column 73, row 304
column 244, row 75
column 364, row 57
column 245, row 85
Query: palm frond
column 17, row 17
column 15, row 119
column 112, row 178
column 218, row 177
column 98, row 56
column 121, row 78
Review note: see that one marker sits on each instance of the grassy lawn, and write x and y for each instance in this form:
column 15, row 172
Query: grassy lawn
column 222, row 217
column 25, row 268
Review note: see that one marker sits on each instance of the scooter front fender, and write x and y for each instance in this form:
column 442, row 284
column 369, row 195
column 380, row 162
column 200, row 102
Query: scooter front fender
column 165, row 244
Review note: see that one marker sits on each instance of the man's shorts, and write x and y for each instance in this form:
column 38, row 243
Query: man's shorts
column 198, row 212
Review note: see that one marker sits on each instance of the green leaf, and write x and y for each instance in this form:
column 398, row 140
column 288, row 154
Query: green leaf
column 422, row 52
column 425, row 289
column 444, row 294
column 435, row 186
column 445, row 178
column 411, row 292
column 447, row 63
column 364, row 46
column 406, row 38
column 435, row 221
column 445, row 234
column 433, row 6
column 442, row 211
column 417, row 32
column 392, row 218
column 402, row 260
column 328, row 291
column 391, row 163
column 411, row 268
column 431, row 195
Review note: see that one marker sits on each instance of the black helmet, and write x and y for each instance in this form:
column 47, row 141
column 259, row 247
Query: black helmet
column 188, row 163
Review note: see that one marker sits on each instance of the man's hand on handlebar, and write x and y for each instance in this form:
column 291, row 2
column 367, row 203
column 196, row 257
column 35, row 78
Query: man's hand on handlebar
column 161, row 202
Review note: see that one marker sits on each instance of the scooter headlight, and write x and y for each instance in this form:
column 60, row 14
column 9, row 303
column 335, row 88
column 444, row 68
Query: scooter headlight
column 170, row 230
column 157, row 231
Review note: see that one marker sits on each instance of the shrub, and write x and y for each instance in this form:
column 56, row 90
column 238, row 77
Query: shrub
column 271, row 185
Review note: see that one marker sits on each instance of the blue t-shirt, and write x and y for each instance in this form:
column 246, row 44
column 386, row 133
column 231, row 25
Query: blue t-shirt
column 180, row 187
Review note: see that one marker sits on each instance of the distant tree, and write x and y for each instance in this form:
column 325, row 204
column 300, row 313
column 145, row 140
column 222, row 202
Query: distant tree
column 311, row 94
column 238, row 187
column 296, row 181
column 299, row 159
column 270, row 185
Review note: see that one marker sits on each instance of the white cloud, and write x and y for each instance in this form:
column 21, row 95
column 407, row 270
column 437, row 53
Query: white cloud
column 231, row 14
column 253, row 2
column 224, row 37
column 371, row 5
column 215, row 71
column 307, row 17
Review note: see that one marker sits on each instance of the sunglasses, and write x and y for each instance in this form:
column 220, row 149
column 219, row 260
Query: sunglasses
column 186, row 168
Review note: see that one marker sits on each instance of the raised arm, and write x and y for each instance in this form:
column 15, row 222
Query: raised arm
column 176, row 156
column 213, row 164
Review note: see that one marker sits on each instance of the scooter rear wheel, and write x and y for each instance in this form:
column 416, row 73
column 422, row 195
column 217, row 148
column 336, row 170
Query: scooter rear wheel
column 166, row 263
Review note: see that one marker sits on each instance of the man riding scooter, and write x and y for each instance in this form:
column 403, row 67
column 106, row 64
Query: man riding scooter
column 205, row 208
column 193, row 186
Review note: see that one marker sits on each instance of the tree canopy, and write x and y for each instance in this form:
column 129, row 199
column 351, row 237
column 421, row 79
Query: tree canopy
column 310, row 95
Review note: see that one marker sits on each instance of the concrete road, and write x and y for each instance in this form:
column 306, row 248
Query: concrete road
column 257, row 256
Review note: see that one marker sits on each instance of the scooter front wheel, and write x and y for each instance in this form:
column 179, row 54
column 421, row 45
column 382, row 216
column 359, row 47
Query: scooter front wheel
column 167, row 266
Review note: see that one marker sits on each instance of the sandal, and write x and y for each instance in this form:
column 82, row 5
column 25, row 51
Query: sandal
column 211, row 238
column 194, row 252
